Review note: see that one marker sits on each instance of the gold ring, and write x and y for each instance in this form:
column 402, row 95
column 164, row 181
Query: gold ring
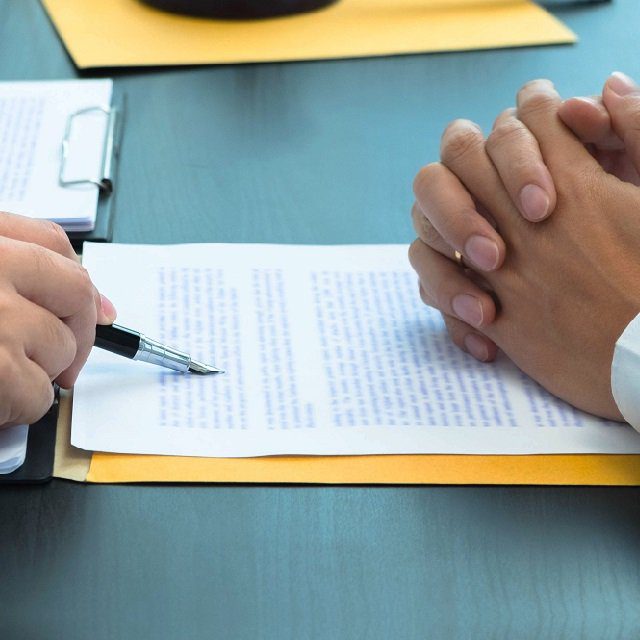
column 459, row 258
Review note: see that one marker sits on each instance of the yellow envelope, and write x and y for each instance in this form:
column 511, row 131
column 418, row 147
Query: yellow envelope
column 620, row 470
column 106, row 33
column 78, row 465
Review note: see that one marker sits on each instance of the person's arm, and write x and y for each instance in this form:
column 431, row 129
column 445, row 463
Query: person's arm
column 49, row 309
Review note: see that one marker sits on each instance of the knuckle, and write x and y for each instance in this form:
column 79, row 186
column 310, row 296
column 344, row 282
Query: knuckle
column 42, row 259
column 509, row 132
column 415, row 250
column 64, row 340
column 511, row 112
column 443, row 294
column 32, row 409
column 12, row 407
column 456, row 330
column 7, row 304
column 82, row 284
column 435, row 292
column 417, row 218
column 425, row 177
column 57, row 239
column 49, row 330
column 420, row 256
column 631, row 110
column 8, row 367
column 429, row 235
column 65, row 358
column 459, row 141
column 85, row 284
column 536, row 103
column 426, row 297
column 45, row 261
column 12, row 326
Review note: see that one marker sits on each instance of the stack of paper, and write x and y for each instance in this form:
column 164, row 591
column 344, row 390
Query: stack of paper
column 33, row 120
column 13, row 447
column 328, row 351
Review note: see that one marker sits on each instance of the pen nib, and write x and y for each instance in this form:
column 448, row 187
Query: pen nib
column 203, row 369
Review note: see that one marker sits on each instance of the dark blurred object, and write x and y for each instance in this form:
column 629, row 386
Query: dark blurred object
column 238, row 8
column 559, row 4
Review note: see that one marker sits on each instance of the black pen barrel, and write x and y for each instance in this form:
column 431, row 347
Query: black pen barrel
column 117, row 339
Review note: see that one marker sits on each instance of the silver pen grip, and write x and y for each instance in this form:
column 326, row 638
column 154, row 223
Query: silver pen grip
column 156, row 353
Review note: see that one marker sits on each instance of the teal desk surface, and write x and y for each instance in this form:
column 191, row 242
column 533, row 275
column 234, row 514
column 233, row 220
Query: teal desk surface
column 313, row 152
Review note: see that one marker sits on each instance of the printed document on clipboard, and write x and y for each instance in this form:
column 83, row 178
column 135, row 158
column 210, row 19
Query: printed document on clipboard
column 56, row 149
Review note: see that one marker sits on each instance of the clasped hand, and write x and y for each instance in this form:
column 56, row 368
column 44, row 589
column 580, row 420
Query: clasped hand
column 546, row 214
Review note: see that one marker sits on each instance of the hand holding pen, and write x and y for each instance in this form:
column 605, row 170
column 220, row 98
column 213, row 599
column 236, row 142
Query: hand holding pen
column 50, row 309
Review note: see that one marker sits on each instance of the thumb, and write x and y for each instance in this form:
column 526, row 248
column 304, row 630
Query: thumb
column 106, row 311
column 621, row 97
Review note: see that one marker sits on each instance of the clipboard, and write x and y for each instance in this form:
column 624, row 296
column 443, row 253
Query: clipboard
column 105, row 180
column 37, row 467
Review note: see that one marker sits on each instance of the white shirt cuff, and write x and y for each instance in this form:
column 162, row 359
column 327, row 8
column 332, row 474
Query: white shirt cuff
column 625, row 373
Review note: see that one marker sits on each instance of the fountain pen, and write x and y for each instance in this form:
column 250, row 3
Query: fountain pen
column 136, row 346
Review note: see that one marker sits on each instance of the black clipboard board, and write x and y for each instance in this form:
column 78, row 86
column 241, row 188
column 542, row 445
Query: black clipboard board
column 37, row 467
column 103, row 229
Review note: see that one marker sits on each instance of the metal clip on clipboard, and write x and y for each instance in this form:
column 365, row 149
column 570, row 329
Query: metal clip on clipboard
column 104, row 179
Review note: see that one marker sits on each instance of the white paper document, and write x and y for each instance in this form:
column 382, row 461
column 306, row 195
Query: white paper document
column 33, row 121
column 328, row 351
column 13, row 447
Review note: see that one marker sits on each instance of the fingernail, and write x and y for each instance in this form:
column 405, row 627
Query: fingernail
column 588, row 99
column 534, row 202
column 543, row 85
column 621, row 83
column 107, row 308
column 468, row 308
column 476, row 346
column 482, row 252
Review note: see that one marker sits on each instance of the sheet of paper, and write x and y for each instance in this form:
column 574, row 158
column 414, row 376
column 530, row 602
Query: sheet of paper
column 33, row 118
column 329, row 352
column 106, row 33
column 13, row 447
